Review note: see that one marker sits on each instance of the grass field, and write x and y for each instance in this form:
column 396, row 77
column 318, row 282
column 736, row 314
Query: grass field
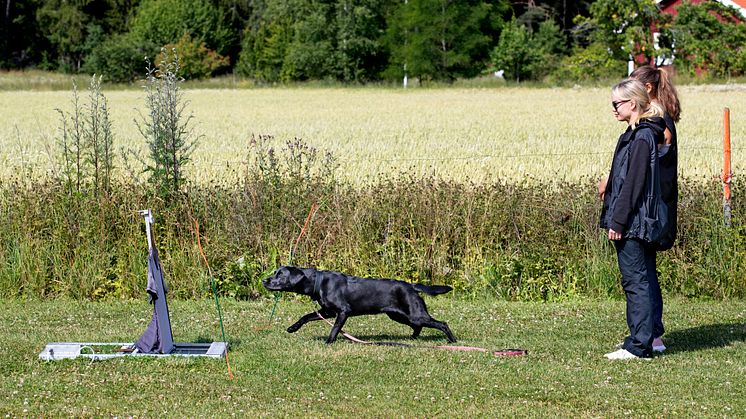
column 512, row 133
column 457, row 133
column 279, row 374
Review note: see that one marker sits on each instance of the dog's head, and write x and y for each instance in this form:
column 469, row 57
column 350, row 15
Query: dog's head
column 285, row 278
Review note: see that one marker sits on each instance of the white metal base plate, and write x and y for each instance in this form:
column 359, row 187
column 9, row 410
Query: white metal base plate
column 107, row 350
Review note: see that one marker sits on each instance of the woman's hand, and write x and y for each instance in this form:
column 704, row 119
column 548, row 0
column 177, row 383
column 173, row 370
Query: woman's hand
column 602, row 187
column 613, row 235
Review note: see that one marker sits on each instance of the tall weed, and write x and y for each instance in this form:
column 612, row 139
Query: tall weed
column 167, row 127
column 86, row 143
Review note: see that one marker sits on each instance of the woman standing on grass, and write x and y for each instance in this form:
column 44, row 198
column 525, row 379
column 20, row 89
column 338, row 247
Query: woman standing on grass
column 661, row 91
column 624, row 213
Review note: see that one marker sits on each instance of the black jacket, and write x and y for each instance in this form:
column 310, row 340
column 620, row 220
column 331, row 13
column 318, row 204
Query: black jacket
column 628, row 181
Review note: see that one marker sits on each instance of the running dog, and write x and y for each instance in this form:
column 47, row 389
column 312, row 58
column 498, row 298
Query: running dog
column 344, row 296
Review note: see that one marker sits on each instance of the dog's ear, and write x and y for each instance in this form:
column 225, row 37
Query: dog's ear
column 293, row 274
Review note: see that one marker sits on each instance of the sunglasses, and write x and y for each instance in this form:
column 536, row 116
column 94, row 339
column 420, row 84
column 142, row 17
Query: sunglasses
column 617, row 104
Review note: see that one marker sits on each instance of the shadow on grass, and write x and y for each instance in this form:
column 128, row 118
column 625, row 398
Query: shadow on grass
column 705, row 337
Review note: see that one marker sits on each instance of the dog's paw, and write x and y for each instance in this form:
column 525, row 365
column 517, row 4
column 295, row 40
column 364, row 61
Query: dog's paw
column 294, row 328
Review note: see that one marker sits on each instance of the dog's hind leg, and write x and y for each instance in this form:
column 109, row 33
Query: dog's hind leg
column 399, row 318
column 310, row 317
column 442, row 326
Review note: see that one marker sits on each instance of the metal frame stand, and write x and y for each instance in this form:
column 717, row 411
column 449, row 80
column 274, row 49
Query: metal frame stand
column 156, row 341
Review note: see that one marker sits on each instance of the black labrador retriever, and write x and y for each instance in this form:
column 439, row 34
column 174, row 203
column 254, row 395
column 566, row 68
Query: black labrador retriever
column 343, row 296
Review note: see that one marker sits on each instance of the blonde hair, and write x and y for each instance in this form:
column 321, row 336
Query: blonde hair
column 631, row 89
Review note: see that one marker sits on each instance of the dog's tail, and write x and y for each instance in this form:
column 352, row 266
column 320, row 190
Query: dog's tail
column 432, row 289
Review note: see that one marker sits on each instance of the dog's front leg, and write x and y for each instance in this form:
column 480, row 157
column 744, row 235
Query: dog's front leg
column 327, row 314
column 341, row 319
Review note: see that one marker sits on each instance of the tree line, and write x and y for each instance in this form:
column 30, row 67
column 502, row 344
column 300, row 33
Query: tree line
column 364, row 41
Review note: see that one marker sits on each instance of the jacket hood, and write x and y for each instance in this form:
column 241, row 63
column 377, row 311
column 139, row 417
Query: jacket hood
column 655, row 123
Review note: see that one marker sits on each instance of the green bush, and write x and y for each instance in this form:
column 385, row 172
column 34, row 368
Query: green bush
column 588, row 64
column 166, row 21
column 120, row 58
column 196, row 61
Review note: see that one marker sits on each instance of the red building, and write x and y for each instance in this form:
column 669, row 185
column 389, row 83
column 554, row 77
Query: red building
column 669, row 7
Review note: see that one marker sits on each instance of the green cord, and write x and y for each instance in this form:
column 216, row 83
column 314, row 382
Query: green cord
column 272, row 314
column 277, row 294
column 217, row 304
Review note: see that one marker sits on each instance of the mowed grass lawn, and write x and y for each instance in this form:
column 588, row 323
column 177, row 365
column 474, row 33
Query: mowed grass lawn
column 456, row 133
column 281, row 374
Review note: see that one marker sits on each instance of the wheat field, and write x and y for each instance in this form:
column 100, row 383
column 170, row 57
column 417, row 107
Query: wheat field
column 514, row 134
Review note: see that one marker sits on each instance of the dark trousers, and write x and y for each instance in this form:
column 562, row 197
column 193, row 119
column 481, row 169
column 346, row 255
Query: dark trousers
column 640, row 283
column 656, row 301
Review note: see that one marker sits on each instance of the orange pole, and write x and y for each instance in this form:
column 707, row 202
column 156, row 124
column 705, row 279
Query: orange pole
column 726, row 151
column 727, row 174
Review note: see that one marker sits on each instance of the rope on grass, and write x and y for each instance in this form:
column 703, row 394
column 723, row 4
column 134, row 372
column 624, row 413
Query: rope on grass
column 499, row 352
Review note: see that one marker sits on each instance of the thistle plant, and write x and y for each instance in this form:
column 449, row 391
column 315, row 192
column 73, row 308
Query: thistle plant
column 71, row 143
column 166, row 127
column 86, row 142
column 99, row 138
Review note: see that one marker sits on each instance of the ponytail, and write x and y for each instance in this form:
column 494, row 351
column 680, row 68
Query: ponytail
column 662, row 89
column 667, row 96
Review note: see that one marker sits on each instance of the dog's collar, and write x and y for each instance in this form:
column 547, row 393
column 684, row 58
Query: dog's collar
column 316, row 286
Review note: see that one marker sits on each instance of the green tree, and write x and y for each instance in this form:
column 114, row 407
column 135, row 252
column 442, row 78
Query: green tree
column 441, row 39
column 235, row 15
column 21, row 41
column 64, row 24
column 514, row 52
column 588, row 64
column 709, row 37
column 624, row 27
column 59, row 34
column 524, row 54
column 263, row 50
column 311, row 54
column 267, row 39
column 360, row 25
column 166, row 21
column 116, row 15
column 551, row 46
column 196, row 61
column 314, row 39
column 563, row 12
